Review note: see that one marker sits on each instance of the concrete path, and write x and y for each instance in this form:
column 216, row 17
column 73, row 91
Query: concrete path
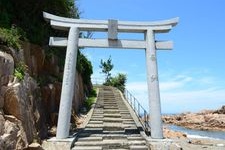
column 111, row 125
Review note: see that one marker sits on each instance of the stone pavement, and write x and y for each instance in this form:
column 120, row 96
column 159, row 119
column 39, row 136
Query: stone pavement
column 111, row 125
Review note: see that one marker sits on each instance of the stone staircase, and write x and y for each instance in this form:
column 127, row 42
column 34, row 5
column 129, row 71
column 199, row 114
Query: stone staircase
column 111, row 125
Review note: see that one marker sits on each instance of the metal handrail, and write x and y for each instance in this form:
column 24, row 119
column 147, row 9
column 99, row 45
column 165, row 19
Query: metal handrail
column 140, row 112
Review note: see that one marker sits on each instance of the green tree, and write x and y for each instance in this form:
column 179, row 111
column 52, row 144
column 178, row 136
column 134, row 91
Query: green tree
column 27, row 14
column 118, row 81
column 106, row 67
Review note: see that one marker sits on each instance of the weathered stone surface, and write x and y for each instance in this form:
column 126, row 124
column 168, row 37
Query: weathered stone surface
column 2, row 122
column 14, row 136
column 22, row 102
column 173, row 134
column 34, row 57
column 50, row 145
column 16, row 54
column 34, row 146
column 6, row 70
column 6, row 67
column 79, row 95
column 220, row 111
column 1, row 102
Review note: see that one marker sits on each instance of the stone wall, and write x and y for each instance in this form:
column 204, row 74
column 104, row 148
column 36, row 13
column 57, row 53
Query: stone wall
column 28, row 110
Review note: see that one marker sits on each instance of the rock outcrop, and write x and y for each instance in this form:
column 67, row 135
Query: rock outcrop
column 29, row 108
column 205, row 120
column 173, row 134
column 220, row 111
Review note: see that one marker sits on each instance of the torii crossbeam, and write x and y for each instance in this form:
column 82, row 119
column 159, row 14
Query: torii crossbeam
column 113, row 27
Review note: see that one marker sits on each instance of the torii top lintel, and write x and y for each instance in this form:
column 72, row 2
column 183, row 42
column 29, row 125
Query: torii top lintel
column 63, row 23
column 112, row 27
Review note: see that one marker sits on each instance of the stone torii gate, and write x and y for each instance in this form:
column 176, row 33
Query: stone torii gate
column 73, row 42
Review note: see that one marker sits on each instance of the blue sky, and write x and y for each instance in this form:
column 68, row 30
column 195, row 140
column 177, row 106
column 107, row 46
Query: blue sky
column 192, row 75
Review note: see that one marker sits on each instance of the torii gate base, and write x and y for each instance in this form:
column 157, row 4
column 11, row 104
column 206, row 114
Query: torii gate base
column 74, row 26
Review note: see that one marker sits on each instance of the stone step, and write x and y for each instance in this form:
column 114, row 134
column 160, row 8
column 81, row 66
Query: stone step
column 110, row 102
column 88, row 130
column 129, row 122
column 111, row 125
column 112, row 115
column 108, row 119
column 139, row 147
column 126, row 117
column 115, row 143
column 135, row 138
column 98, row 114
column 87, row 148
column 95, row 122
column 97, row 119
column 111, row 111
column 89, row 138
column 138, row 142
column 102, row 143
column 114, row 136
column 94, row 126
column 114, row 132
column 110, row 107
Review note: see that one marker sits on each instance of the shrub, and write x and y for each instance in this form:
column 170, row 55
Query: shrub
column 118, row 81
column 10, row 37
column 20, row 71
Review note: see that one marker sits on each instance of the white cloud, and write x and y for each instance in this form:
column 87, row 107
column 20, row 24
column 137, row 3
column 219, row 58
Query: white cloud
column 137, row 86
column 183, row 93
column 193, row 100
column 177, row 82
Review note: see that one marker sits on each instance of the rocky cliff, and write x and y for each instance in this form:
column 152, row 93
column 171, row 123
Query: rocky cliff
column 29, row 105
column 205, row 120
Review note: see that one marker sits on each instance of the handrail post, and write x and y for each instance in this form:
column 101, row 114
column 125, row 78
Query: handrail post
column 139, row 110
column 136, row 106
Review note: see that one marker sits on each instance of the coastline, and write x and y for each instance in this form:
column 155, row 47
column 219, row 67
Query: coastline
column 204, row 121
column 184, row 141
column 208, row 120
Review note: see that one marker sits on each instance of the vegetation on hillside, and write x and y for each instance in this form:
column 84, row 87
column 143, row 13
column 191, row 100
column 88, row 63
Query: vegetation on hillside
column 118, row 81
column 27, row 14
column 10, row 37
column 23, row 20
column 91, row 99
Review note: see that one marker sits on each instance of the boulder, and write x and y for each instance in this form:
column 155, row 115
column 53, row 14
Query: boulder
column 21, row 100
column 14, row 136
column 1, row 102
column 2, row 122
column 6, row 67
column 173, row 134
column 34, row 57
column 220, row 111
column 34, row 146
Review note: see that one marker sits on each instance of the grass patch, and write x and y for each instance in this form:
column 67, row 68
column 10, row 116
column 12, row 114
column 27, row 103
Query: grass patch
column 91, row 99
column 20, row 70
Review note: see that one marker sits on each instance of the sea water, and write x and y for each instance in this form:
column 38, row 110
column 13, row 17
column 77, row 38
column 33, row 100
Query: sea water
column 193, row 133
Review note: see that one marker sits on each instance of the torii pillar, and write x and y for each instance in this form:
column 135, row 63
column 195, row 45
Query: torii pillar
column 67, row 93
column 150, row 45
column 153, row 87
